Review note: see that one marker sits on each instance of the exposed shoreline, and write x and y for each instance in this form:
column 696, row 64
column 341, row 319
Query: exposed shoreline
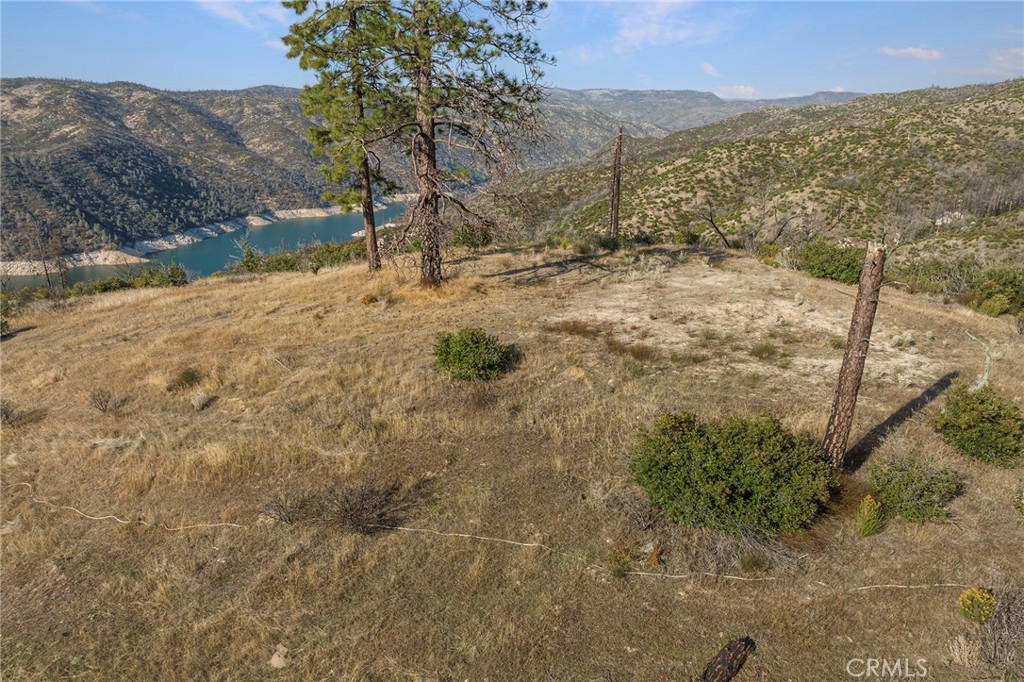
column 137, row 252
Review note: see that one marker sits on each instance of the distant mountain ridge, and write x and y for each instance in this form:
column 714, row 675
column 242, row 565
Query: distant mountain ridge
column 89, row 165
column 675, row 110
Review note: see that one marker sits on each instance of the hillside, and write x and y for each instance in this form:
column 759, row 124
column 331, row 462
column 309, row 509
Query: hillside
column 91, row 165
column 920, row 162
column 674, row 110
column 159, row 447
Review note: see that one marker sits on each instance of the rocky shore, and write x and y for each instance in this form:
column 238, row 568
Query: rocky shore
column 136, row 253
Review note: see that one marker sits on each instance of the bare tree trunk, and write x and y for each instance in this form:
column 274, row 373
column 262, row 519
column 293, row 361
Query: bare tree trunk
column 709, row 217
column 729, row 660
column 840, row 421
column 616, row 186
column 425, row 159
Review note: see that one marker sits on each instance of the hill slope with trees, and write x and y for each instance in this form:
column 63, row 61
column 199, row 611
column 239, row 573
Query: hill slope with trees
column 947, row 161
column 89, row 165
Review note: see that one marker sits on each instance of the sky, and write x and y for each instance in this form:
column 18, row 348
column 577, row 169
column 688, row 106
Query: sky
column 738, row 50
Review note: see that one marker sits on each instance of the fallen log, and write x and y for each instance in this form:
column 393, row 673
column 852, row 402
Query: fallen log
column 729, row 660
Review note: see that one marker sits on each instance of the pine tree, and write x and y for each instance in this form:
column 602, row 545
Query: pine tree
column 357, row 97
column 429, row 78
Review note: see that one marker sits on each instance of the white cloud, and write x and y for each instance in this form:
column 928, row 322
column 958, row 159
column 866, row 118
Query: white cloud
column 736, row 92
column 254, row 16
column 912, row 52
column 657, row 24
column 710, row 69
column 1008, row 62
column 836, row 88
column 582, row 54
column 275, row 44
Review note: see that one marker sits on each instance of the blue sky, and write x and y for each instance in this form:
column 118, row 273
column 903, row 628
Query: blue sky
column 737, row 50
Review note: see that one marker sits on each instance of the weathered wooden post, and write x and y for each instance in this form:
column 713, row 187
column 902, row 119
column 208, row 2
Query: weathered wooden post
column 840, row 421
column 613, row 217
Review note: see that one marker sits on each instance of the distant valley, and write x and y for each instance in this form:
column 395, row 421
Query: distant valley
column 88, row 165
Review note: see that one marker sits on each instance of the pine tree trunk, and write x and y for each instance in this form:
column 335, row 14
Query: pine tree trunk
column 369, row 220
column 425, row 159
column 840, row 421
column 365, row 179
column 614, row 193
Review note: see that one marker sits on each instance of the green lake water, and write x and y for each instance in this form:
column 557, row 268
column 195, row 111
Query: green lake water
column 213, row 255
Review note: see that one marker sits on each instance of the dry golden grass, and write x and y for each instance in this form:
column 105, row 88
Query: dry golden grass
column 307, row 385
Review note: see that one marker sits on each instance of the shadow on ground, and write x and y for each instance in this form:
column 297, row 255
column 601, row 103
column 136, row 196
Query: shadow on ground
column 863, row 448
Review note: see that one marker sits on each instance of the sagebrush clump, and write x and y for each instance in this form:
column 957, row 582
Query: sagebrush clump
column 911, row 489
column 867, row 518
column 472, row 354
column 982, row 425
column 829, row 260
column 745, row 476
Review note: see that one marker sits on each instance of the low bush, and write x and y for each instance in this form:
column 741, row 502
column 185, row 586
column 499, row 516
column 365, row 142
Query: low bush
column 7, row 310
column 186, row 378
column 976, row 604
column 686, row 236
column 911, row 489
column 744, row 476
column 472, row 354
column 335, row 253
column 472, row 236
column 145, row 277
column 999, row 290
column 982, row 425
column 829, row 260
column 305, row 258
column 993, row 291
column 867, row 518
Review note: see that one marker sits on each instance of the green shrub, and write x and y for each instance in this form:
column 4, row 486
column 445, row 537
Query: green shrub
column 769, row 254
column 7, row 310
column 977, row 604
column 472, row 354
column 981, row 425
column 686, row 237
column 737, row 475
column 829, row 260
column 336, row 253
column 1000, row 290
column 159, row 275
column 471, row 236
column 867, row 518
column 149, row 275
column 911, row 489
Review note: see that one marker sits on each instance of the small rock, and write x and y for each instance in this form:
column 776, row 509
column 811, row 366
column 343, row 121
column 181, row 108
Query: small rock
column 278, row 660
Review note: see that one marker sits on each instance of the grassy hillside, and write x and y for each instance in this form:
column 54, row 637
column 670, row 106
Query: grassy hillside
column 159, row 446
column 928, row 163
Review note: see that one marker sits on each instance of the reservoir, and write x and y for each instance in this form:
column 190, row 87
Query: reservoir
column 213, row 255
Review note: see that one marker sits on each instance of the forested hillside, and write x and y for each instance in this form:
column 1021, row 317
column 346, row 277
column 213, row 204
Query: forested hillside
column 935, row 160
column 88, row 165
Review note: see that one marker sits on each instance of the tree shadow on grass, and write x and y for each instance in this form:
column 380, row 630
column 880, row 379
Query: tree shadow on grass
column 542, row 271
column 870, row 441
